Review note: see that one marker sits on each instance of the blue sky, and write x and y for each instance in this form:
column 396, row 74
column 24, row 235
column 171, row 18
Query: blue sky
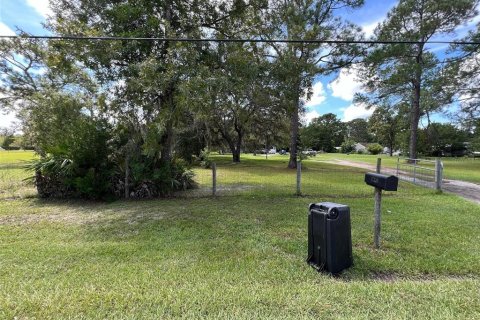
column 331, row 94
column 336, row 92
column 27, row 15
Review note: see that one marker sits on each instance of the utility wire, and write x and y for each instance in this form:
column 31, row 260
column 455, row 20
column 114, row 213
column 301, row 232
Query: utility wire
column 87, row 38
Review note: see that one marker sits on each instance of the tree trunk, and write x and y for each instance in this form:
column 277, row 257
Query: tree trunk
column 236, row 152
column 415, row 112
column 414, row 120
column 236, row 155
column 234, row 146
column 167, row 143
column 391, row 141
column 235, row 149
column 294, row 129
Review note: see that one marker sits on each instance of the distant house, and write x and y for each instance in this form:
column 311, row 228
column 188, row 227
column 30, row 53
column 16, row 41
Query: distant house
column 386, row 150
column 460, row 149
column 1, row 149
column 360, row 147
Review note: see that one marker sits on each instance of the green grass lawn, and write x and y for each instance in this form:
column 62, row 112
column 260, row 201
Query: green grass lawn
column 13, row 173
column 15, row 156
column 462, row 169
column 241, row 256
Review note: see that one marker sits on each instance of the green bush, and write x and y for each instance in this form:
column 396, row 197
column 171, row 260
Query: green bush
column 375, row 148
column 78, row 166
column 86, row 157
column 190, row 144
column 6, row 142
column 205, row 160
column 170, row 177
column 58, row 177
column 348, row 146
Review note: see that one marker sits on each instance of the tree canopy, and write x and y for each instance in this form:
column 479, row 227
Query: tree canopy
column 400, row 74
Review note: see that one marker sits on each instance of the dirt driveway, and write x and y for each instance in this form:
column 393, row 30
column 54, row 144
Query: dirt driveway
column 467, row 190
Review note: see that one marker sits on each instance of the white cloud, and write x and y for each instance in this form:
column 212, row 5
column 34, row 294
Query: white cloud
column 345, row 85
column 475, row 20
column 309, row 116
column 41, row 6
column 369, row 28
column 5, row 30
column 356, row 111
column 7, row 120
column 463, row 29
column 318, row 95
column 468, row 95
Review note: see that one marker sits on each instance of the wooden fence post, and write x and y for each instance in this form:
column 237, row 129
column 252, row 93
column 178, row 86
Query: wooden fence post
column 414, row 171
column 438, row 174
column 299, row 178
column 378, row 210
column 214, row 179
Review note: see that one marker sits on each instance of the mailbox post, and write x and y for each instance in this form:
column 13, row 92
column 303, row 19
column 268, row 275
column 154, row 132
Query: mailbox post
column 378, row 210
column 378, row 217
column 380, row 182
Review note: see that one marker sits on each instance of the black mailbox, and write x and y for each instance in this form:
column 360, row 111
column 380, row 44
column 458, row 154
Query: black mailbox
column 382, row 181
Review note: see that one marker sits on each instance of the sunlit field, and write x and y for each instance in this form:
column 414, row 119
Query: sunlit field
column 13, row 174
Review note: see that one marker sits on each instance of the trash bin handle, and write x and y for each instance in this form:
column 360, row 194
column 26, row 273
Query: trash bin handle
column 332, row 213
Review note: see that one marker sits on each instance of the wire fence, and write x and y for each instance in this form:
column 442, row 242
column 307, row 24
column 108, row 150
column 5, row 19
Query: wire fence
column 264, row 178
column 272, row 179
column 426, row 173
column 14, row 182
column 461, row 168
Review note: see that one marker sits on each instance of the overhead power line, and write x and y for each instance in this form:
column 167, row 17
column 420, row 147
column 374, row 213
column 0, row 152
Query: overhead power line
column 154, row 39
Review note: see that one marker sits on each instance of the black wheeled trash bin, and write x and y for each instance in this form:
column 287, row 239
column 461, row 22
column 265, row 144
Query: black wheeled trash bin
column 329, row 237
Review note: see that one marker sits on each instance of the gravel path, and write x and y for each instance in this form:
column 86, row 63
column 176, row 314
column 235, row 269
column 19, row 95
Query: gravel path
column 467, row 190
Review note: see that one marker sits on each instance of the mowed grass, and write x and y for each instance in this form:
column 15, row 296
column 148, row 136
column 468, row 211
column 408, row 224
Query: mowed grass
column 13, row 174
column 16, row 156
column 241, row 256
column 465, row 169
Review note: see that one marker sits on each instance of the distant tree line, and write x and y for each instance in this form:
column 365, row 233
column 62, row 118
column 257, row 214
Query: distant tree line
column 329, row 134
column 11, row 140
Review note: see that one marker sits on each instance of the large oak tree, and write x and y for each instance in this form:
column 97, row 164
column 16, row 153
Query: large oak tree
column 298, row 63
